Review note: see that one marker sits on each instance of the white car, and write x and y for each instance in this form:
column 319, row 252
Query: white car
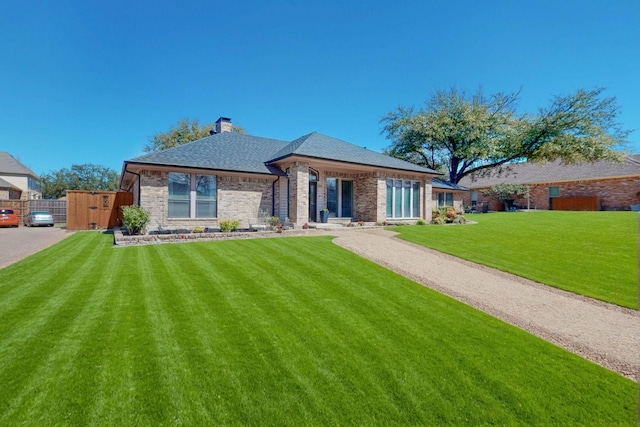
column 39, row 218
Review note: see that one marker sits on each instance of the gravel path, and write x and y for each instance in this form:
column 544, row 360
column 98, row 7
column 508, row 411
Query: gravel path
column 603, row 333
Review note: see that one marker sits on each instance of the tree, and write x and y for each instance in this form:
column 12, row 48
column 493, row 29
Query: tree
column 80, row 177
column 504, row 192
column 184, row 131
column 460, row 134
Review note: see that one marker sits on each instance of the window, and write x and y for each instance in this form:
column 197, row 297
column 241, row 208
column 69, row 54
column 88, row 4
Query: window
column 34, row 184
column 554, row 191
column 206, row 203
column 445, row 199
column 192, row 195
column 340, row 197
column 403, row 198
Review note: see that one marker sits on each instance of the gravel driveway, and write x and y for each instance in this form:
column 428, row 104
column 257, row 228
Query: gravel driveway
column 603, row 333
column 18, row 243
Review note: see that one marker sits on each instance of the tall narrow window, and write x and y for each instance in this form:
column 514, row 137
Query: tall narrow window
column 403, row 199
column 206, row 202
column 179, row 195
column 415, row 199
column 332, row 196
column 390, row 198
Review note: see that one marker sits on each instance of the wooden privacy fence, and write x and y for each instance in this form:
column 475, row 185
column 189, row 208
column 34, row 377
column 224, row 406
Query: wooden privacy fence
column 93, row 210
column 22, row 208
column 575, row 203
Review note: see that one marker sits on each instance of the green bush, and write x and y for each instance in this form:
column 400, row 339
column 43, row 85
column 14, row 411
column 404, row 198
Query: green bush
column 273, row 221
column 446, row 215
column 421, row 222
column 229, row 225
column 135, row 219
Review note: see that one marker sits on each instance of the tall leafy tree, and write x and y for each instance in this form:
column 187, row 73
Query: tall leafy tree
column 79, row 177
column 462, row 134
column 181, row 133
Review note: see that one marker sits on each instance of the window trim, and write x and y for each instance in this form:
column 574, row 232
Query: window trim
column 193, row 196
column 397, row 188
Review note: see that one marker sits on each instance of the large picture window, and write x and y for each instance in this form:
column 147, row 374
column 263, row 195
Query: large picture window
column 192, row 195
column 403, row 198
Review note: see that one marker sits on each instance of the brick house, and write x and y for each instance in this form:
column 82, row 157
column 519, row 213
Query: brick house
column 17, row 182
column 447, row 194
column 615, row 185
column 240, row 177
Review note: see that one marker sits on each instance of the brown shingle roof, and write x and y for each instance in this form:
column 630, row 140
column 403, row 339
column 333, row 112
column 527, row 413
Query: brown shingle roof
column 534, row 173
column 10, row 166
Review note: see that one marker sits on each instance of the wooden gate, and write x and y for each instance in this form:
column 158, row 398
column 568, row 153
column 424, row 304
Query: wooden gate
column 575, row 203
column 93, row 210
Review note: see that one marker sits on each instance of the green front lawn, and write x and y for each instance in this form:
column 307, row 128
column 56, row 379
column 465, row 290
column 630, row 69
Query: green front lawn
column 273, row 331
column 589, row 253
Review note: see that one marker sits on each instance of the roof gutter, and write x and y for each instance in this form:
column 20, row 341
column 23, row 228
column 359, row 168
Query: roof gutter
column 132, row 173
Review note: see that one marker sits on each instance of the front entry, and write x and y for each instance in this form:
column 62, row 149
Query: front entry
column 313, row 201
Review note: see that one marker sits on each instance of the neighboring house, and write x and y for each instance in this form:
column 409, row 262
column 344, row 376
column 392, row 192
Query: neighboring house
column 240, row 177
column 446, row 194
column 615, row 184
column 17, row 182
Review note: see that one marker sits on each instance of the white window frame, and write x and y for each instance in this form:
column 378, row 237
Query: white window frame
column 402, row 194
column 193, row 197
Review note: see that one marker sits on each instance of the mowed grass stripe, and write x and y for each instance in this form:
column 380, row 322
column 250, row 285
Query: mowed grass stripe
column 590, row 253
column 296, row 331
column 29, row 347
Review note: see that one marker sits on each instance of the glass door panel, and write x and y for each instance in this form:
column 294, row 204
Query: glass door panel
column 346, row 196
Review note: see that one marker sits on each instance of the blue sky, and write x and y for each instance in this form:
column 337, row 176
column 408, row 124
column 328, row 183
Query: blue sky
column 89, row 82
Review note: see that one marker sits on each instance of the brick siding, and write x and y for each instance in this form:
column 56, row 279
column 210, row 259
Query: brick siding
column 614, row 194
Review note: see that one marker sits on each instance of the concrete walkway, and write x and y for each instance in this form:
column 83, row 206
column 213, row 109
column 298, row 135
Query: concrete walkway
column 603, row 333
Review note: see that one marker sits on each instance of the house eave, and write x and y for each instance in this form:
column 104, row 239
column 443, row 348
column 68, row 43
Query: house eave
column 338, row 163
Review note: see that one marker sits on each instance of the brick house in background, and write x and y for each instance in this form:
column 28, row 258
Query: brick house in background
column 17, row 182
column 615, row 184
column 240, row 177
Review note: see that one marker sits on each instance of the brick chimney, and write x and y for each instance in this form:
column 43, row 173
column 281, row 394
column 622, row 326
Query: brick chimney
column 223, row 124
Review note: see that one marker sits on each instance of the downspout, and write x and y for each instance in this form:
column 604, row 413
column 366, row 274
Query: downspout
column 273, row 196
column 139, row 184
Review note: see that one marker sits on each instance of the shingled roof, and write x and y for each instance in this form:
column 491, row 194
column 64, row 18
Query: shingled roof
column 446, row 185
column 319, row 146
column 230, row 151
column 10, row 166
column 556, row 171
column 227, row 151
column 7, row 185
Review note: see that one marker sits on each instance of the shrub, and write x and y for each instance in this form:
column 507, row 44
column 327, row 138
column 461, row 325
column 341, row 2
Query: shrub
column 421, row 222
column 135, row 219
column 273, row 221
column 438, row 220
column 197, row 229
column 228, row 225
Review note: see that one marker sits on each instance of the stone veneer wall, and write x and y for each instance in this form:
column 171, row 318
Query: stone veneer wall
column 614, row 194
column 239, row 198
column 153, row 196
column 299, row 193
